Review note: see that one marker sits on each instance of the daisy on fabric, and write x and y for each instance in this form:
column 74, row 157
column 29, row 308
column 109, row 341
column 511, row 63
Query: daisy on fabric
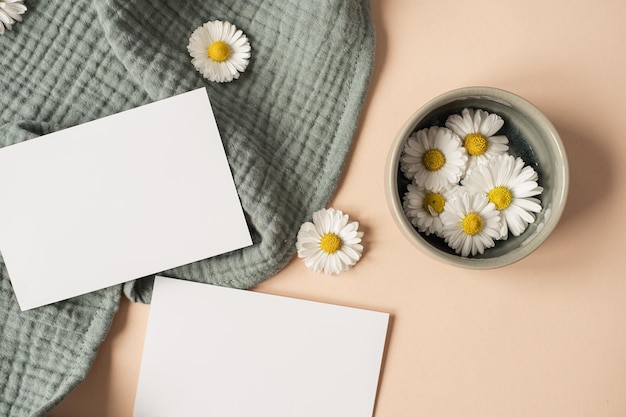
column 330, row 243
column 10, row 13
column 434, row 158
column 511, row 187
column 470, row 223
column 477, row 128
column 423, row 208
column 219, row 51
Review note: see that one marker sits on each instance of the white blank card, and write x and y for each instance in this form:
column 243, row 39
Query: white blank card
column 221, row 352
column 116, row 199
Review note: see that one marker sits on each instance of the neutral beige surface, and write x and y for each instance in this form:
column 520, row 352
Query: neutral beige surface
column 543, row 337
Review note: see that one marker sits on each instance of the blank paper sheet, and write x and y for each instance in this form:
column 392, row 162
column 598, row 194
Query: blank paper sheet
column 116, row 199
column 214, row 351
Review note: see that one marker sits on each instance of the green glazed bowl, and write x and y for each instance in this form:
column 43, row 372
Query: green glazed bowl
column 531, row 137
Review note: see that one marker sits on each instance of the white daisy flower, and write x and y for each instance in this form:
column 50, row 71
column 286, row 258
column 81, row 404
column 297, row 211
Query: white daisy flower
column 477, row 129
column 423, row 208
column 470, row 223
column 219, row 50
column 511, row 186
column 434, row 158
column 330, row 243
column 10, row 13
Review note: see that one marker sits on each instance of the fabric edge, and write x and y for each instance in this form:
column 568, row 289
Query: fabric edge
column 91, row 344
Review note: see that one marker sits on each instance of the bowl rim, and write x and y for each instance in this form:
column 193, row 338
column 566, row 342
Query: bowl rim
column 394, row 201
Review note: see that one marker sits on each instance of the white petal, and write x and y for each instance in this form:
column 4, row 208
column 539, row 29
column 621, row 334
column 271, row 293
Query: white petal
column 491, row 124
column 353, row 251
column 5, row 18
column 343, row 257
column 528, row 204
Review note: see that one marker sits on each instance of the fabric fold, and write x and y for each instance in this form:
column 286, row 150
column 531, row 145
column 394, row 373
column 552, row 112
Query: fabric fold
column 46, row 352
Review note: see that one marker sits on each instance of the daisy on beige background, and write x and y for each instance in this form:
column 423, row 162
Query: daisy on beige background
column 331, row 243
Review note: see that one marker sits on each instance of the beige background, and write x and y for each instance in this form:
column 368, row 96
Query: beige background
column 543, row 337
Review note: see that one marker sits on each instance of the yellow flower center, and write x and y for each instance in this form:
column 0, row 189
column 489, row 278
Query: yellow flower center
column 218, row 51
column 330, row 243
column 476, row 144
column 501, row 197
column 472, row 224
column 434, row 201
column 433, row 159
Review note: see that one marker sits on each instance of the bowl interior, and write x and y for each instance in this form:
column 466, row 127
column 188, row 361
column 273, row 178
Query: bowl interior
column 531, row 137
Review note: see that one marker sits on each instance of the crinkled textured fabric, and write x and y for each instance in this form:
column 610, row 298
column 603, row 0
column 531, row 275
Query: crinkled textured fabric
column 46, row 352
column 286, row 123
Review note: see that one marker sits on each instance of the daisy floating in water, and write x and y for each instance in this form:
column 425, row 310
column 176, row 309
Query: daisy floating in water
column 512, row 187
column 471, row 223
column 219, row 51
column 331, row 243
column 423, row 208
column 477, row 129
column 434, row 158
column 465, row 186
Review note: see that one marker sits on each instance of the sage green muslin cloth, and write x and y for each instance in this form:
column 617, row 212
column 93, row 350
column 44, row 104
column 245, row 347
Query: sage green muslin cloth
column 286, row 123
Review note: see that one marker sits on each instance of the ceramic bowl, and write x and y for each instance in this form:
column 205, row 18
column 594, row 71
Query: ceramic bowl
column 531, row 137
